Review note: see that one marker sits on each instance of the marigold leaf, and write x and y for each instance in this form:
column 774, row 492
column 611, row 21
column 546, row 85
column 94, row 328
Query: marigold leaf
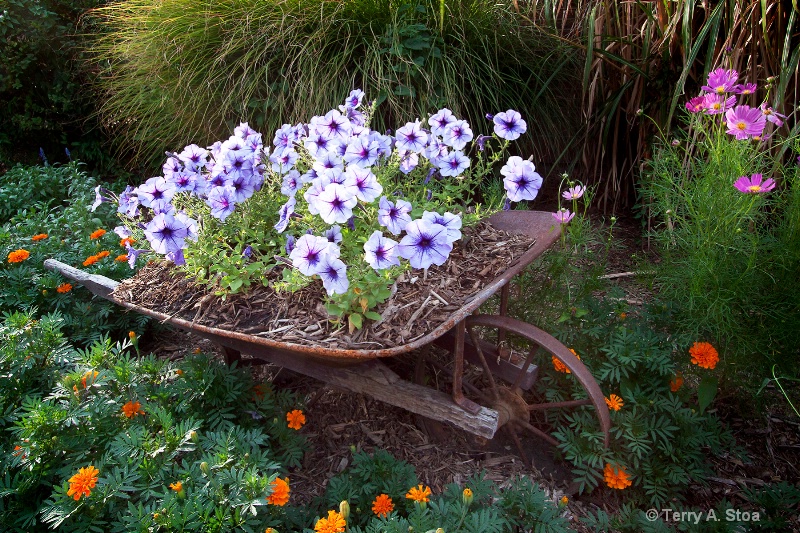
column 706, row 392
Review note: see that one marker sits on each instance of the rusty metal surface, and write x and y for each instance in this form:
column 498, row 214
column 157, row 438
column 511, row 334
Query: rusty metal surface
column 538, row 224
column 554, row 347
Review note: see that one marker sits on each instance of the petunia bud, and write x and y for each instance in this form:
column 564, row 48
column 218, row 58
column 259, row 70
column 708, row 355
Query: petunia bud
column 489, row 116
column 344, row 509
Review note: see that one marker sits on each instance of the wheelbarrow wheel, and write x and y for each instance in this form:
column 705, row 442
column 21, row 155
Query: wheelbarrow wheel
column 509, row 400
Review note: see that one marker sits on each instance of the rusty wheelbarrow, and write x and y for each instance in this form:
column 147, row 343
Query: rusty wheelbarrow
column 498, row 401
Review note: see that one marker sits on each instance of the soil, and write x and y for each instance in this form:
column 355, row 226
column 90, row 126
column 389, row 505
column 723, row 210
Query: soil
column 339, row 421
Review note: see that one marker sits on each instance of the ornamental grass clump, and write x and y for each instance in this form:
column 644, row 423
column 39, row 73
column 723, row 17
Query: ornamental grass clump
column 723, row 206
column 331, row 200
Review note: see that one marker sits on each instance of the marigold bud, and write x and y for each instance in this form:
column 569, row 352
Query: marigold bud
column 344, row 509
column 204, row 468
column 193, row 435
column 467, row 496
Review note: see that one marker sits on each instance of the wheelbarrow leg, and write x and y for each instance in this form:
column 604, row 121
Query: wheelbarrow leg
column 458, row 373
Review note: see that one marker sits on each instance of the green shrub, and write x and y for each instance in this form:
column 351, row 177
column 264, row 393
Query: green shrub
column 197, row 423
column 180, row 71
column 55, row 201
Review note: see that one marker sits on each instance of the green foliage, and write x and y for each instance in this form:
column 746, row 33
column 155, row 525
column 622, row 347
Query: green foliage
column 195, row 63
column 43, row 82
column 728, row 260
column 56, row 201
column 198, row 423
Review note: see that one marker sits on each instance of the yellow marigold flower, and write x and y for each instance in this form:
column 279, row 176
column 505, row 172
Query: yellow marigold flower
column 81, row 483
column 64, row 288
column 18, row 256
column 89, row 378
column 704, row 355
column 296, row 419
column 92, row 259
column 418, row 494
column 97, row 234
column 39, row 237
column 127, row 241
column 177, row 486
column 334, row 523
column 616, row 478
column 467, row 496
column 614, row 402
column 382, row 505
column 561, row 367
column 132, row 409
column 676, row 383
column 121, row 258
column 280, row 492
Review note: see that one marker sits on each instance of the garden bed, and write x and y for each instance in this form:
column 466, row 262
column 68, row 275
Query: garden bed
column 420, row 302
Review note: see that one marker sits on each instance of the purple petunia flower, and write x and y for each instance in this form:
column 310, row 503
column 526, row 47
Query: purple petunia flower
column 171, row 166
column 334, row 234
column 721, row 81
column 457, row 134
column 176, row 257
column 440, row 120
column 408, row 161
column 361, row 151
column 243, row 130
column 364, row 183
column 573, row 193
column 696, row 104
column 353, row 100
column 290, row 242
column 327, row 161
column 155, row 189
column 220, row 200
column 481, row 142
column 424, row 244
column 99, row 198
column 284, row 214
column 123, row 232
column 332, row 125
column 716, row 104
column 744, row 121
column 247, row 252
column 509, row 125
column 291, row 182
column 193, row 158
column 755, row 184
column 454, row 163
column 307, row 254
column 335, row 203
column 312, row 193
column 133, row 255
column 521, row 180
column 283, row 161
column 166, row 233
column 771, row 115
column 333, row 273
column 411, row 137
column 380, row 252
column 563, row 216
column 394, row 217
column 450, row 221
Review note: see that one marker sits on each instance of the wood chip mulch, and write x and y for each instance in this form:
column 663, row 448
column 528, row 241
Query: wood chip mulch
column 420, row 301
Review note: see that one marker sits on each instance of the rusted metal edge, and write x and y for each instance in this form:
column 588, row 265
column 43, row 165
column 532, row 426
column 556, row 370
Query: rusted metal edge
column 537, row 224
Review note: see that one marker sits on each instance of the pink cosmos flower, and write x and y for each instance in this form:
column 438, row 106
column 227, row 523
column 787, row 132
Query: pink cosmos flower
column 716, row 104
column 754, row 184
column 721, row 81
column 745, row 121
column 573, row 193
column 696, row 104
column 563, row 216
column 771, row 115
column 745, row 89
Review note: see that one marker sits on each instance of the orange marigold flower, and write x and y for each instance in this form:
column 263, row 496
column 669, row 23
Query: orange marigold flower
column 676, row 383
column 623, row 316
column 81, row 483
column 121, row 258
column 614, row 402
column 39, row 237
column 97, row 234
column 616, row 478
column 64, row 288
column 334, row 523
column 89, row 378
column 92, row 259
column 418, row 494
column 296, row 419
column 127, row 241
column 382, row 505
column 19, row 450
column 179, row 371
column 132, row 409
column 704, row 355
column 18, row 256
column 561, row 367
column 104, row 253
column 280, row 492
column 177, row 486
column 564, row 500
